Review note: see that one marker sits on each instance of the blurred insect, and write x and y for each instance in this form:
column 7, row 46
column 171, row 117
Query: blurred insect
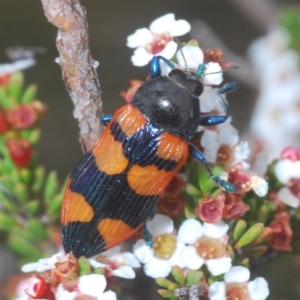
column 193, row 292
column 115, row 188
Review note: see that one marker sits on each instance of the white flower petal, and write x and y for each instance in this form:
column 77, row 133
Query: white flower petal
column 169, row 50
column 241, row 151
column 62, row 294
column 228, row 135
column 109, row 295
column 213, row 73
column 193, row 56
column 130, row 260
column 258, row 289
column 16, row 66
column 42, row 264
column 190, row 258
column 141, row 57
column 142, row 251
column 218, row 266
column 209, row 99
column 162, row 24
column 259, row 186
column 96, row 264
column 288, row 198
column 237, row 274
column 175, row 259
column 140, row 38
column 157, row 268
column 287, row 169
column 160, row 224
column 124, row 272
column 180, row 27
column 92, row 285
column 215, row 230
column 190, row 231
column 217, row 291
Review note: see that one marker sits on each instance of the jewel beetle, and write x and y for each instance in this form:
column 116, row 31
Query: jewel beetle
column 114, row 189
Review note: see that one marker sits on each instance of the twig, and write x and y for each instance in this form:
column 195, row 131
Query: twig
column 78, row 67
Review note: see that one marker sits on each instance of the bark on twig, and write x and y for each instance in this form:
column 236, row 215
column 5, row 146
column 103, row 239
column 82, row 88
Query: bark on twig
column 78, row 67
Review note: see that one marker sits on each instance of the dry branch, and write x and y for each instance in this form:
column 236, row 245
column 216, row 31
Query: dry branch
column 78, row 67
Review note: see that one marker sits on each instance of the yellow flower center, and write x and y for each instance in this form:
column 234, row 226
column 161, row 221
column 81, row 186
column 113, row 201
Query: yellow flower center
column 209, row 248
column 164, row 245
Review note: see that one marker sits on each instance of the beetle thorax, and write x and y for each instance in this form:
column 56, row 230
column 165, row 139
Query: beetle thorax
column 171, row 102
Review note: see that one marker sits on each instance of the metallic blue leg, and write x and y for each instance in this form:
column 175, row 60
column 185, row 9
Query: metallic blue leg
column 155, row 70
column 215, row 119
column 198, row 156
column 105, row 119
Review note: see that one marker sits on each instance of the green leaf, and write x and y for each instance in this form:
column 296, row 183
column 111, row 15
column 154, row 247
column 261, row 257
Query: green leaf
column 15, row 85
column 239, row 229
column 4, row 103
column 178, row 275
column 84, row 266
column 194, row 277
column 7, row 221
column 34, row 136
column 250, row 235
column 23, row 247
column 32, row 207
column 262, row 214
column 54, row 207
column 38, row 229
column 21, row 193
column 39, row 177
column 163, row 282
column 29, row 94
column 166, row 294
column 193, row 191
column 51, row 186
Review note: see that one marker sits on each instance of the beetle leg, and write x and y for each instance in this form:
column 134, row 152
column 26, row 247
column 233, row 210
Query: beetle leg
column 198, row 156
column 215, row 119
column 105, row 119
column 155, row 69
column 147, row 236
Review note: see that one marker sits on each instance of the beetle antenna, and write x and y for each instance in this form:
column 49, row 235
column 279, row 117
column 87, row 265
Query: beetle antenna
column 186, row 68
column 228, row 69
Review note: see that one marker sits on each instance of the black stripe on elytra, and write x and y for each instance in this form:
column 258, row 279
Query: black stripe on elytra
column 141, row 147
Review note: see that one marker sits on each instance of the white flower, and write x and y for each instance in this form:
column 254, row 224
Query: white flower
column 257, row 289
column 92, row 285
column 213, row 73
column 193, row 233
column 161, row 227
column 287, row 197
column 43, row 264
column 287, row 169
column 190, row 57
column 117, row 263
column 157, row 40
column 16, row 66
column 259, row 185
column 211, row 140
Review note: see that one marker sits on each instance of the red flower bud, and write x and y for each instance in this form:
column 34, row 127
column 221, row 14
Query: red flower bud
column 20, row 151
column 290, row 153
column 4, row 126
column 171, row 206
column 210, row 210
column 39, row 289
column 4, row 79
column 241, row 179
column 22, row 116
column 129, row 94
column 281, row 237
column 175, row 187
column 234, row 207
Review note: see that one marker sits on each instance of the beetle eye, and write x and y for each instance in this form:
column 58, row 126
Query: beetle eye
column 187, row 80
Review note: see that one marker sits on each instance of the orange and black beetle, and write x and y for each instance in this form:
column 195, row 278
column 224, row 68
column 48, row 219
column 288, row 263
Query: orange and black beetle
column 115, row 187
